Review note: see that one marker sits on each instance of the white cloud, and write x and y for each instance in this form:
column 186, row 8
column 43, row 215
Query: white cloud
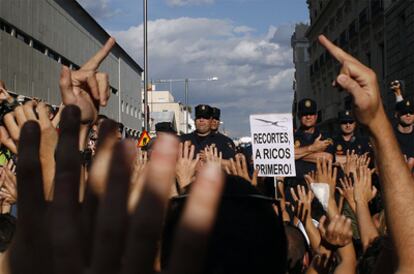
column 100, row 9
column 255, row 72
column 188, row 2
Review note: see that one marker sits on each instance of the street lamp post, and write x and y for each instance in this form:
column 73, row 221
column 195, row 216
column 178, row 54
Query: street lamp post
column 186, row 87
column 146, row 113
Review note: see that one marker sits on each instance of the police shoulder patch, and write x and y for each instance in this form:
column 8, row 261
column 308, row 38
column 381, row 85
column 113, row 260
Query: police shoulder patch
column 339, row 147
column 297, row 143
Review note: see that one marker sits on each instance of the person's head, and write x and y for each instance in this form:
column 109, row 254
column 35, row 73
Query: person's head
column 307, row 112
column 97, row 125
column 368, row 261
column 347, row 122
column 297, row 250
column 215, row 122
column 2, row 84
column 405, row 112
column 203, row 119
column 247, row 237
column 50, row 111
column 120, row 131
column 165, row 127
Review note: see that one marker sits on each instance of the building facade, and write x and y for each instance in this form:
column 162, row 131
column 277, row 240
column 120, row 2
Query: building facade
column 399, row 41
column 357, row 27
column 38, row 37
column 300, row 45
column 163, row 108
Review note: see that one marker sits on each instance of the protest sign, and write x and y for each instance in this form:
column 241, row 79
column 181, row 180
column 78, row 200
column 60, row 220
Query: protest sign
column 272, row 144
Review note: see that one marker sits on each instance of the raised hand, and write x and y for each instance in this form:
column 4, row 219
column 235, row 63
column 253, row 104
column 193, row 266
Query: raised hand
column 238, row 167
column 303, row 200
column 186, row 164
column 5, row 96
column 33, row 111
column 396, row 88
column 364, row 191
column 347, row 191
column 360, row 81
column 339, row 231
column 350, row 164
column 282, row 201
column 7, row 141
column 118, row 243
column 326, row 173
column 86, row 87
column 8, row 190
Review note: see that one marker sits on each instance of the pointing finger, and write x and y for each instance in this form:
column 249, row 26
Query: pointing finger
column 96, row 60
column 335, row 51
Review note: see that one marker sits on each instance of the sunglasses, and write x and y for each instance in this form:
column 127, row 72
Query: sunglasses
column 347, row 122
column 203, row 117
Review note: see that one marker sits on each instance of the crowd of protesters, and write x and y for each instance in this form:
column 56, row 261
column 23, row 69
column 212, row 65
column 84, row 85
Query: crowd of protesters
column 90, row 201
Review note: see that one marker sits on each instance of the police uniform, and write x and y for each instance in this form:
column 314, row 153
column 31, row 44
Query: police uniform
column 216, row 112
column 359, row 144
column 302, row 138
column 224, row 144
column 405, row 140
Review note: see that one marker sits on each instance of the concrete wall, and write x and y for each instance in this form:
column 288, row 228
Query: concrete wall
column 48, row 33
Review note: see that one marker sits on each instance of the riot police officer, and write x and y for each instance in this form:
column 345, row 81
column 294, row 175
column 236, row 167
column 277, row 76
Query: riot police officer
column 347, row 140
column 203, row 135
column 215, row 125
column 404, row 130
column 310, row 143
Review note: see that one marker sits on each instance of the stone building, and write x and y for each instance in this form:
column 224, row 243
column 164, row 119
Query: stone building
column 399, row 41
column 300, row 45
column 357, row 27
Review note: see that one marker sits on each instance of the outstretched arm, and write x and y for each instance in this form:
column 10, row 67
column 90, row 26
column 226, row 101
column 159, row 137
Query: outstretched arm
column 397, row 182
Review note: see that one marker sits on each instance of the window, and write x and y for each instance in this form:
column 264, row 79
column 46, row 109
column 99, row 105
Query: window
column 127, row 108
column 64, row 61
column 339, row 16
column 122, row 106
column 113, row 90
column 53, row 55
column 343, row 39
column 377, row 7
column 332, row 24
column 38, row 46
column 353, row 30
column 363, row 18
column 322, row 60
column 22, row 37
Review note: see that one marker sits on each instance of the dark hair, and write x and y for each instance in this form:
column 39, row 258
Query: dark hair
column 367, row 262
column 296, row 249
column 248, row 237
column 7, row 229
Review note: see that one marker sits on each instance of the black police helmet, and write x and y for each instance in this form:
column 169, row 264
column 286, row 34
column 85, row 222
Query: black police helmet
column 307, row 106
column 203, row 111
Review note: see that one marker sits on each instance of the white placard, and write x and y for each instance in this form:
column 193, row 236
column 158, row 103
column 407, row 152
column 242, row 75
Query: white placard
column 272, row 144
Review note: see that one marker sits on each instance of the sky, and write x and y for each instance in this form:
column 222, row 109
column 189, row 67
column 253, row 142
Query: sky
column 245, row 43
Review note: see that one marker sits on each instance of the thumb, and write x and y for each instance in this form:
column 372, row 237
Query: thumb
column 65, row 84
column 319, row 137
